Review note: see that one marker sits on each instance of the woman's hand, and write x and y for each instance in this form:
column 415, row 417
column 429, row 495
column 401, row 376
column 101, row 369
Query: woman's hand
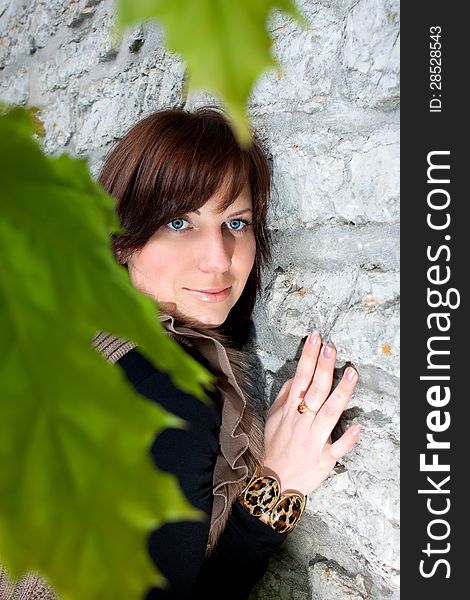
column 298, row 446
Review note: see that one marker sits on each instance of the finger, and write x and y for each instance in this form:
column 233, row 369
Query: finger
column 305, row 370
column 323, row 378
column 345, row 442
column 332, row 408
column 281, row 397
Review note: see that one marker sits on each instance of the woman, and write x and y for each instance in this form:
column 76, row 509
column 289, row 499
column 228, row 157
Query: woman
column 193, row 209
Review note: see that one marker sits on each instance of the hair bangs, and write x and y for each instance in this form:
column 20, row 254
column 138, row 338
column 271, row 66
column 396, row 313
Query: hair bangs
column 199, row 162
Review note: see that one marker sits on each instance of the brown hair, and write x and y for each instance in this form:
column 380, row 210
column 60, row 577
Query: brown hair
column 170, row 163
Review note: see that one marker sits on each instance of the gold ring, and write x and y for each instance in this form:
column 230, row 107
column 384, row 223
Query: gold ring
column 303, row 408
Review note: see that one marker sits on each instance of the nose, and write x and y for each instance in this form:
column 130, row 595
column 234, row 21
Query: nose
column 215, row 253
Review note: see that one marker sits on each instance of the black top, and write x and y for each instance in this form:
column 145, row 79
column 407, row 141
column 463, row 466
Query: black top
column 241, row 555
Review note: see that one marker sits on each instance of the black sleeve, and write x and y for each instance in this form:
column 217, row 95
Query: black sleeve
column 239, row 559
column 241, row 555
column 178, row 549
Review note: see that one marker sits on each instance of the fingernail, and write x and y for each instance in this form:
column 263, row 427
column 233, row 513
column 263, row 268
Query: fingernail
column 357, row 429
column 350, row 374
column 313, row 337
column 327, row 351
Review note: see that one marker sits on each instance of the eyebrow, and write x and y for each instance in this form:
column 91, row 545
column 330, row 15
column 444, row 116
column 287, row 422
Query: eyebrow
column 239, row 212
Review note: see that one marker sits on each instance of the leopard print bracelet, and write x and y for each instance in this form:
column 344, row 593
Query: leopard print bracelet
column 287, row 512
column 262, row 496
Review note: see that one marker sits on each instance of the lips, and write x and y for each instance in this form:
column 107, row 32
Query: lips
column 211, row 290
column 211, row 295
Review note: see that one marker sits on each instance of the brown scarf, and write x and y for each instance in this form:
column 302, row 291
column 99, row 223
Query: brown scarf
column 241, row 432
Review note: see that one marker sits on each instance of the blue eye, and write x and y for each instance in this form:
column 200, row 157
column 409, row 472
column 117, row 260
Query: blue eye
column 177, row 224
column 241, row 224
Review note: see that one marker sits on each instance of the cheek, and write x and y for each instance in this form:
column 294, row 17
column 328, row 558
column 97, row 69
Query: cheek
column 154, row 256
column 156, row 264
column 246, row 256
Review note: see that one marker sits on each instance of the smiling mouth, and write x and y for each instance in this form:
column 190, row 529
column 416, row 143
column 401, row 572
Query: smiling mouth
column 216, row 295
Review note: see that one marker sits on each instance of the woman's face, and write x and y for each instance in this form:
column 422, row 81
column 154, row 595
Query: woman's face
column 200, row 261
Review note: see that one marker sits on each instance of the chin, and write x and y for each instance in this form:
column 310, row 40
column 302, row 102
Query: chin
column 213, row 318
column 204, row 319
column 210, row 322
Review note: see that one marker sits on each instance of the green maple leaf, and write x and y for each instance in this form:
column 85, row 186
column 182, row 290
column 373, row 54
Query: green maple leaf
column 224, row 43
column 79, row 493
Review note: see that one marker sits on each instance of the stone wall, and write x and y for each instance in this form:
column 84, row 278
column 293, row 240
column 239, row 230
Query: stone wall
column 330, row 121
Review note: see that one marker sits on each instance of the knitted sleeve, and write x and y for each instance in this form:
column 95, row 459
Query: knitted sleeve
column 29, row 587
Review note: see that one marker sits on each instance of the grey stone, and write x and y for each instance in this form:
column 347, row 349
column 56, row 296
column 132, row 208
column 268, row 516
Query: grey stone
column 136, row 40
column 371, row 53
column 14, row 88
column 84, row 10
column 332, row 581
column 373, row 247
column 305, row 75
